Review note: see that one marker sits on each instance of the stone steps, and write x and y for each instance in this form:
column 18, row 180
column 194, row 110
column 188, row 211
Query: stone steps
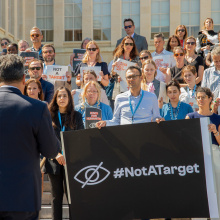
column 46, row 212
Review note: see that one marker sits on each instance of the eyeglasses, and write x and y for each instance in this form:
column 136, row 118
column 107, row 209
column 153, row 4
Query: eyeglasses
column 143, row 58
column 35, row 35
column 131, row 44
column 2, row 44
column 35, row 68
column 192, row 43
column 201, row 97
column 91, row 92
column 48, row 51
column 181, row 30
column 129, row 26
column 178, row 54
column 92, row 49
column 132, row 77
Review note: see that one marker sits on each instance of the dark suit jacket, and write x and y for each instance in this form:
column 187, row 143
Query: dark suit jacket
column 52, row 166
column 48, row 90
column 140, row 42
column 25, row 132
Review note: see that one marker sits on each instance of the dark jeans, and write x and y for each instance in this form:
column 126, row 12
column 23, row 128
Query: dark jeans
column 19, row 215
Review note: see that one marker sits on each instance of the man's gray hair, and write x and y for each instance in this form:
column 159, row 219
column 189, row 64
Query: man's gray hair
column 215, row 51
column 36, row 28
column 23, row 41
column 159, row 35
column 11, row 68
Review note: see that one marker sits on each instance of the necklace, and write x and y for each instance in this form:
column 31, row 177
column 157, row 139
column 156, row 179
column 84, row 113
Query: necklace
column 191, row 59
column 174, row 115
column 91, row 63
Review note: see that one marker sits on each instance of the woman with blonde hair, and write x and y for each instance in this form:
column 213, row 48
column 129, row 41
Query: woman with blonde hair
column 91, row 98
column 149, row 82
column 191, row 58
column 92, row 58
column 181, row 33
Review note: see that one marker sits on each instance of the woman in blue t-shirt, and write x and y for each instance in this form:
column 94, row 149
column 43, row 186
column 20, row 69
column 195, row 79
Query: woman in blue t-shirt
column 174, row 110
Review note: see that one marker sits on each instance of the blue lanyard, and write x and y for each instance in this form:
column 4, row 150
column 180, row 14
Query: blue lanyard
column 62, row 127
column 194, row 90
column 133, row 112
column 171, row 111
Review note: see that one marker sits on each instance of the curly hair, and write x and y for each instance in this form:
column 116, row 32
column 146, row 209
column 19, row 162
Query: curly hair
column 119, row 50
column 70, row 114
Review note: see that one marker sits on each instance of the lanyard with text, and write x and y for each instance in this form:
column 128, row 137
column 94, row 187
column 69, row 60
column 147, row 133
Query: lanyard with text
column 194, row 90
column 133, row 112
column 62, row 127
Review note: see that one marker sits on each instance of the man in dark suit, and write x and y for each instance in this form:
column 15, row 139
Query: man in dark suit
column 35, row 70
column 140, row 41
column 25, row 132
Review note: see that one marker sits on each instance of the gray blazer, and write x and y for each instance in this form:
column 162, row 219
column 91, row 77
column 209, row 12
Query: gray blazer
column 140, row 42
column 25, row 132
column 157, row 87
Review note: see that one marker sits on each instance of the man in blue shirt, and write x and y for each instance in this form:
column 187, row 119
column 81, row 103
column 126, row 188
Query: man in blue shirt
column 35, row 70
column 134, row 106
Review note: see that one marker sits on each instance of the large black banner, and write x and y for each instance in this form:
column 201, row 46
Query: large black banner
column 140, row 171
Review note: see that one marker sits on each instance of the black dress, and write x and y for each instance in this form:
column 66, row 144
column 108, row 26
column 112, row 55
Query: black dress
column 55, row 171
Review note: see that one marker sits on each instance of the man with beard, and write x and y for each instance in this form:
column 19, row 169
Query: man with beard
column 36, row 38
column 49, row 59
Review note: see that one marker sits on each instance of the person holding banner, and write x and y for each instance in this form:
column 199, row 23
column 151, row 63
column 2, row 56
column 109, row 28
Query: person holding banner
column 91, row 98
column 188, row 93
column 194, row 60
column 204, row 98
column 92, row 58
column 175, row 72
column 64, row 118
column 134, row 106
column 175, row 109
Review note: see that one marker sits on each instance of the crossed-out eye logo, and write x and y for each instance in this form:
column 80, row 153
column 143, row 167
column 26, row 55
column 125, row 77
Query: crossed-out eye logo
column 92, row 175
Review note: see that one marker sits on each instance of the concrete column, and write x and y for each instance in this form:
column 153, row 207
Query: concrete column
column 6, row 17
column 175, row 15
column 16, row 20
column 29, row 18
column 145, row 19
column 116, row 25
column 87, row 19
column 58, row 22
column 205, row 11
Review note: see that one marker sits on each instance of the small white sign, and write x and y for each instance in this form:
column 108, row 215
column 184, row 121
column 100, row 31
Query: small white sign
column 56, row 73
column 163, row 92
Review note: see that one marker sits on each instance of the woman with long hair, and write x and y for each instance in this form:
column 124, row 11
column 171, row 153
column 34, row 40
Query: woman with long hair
column 64, row 118
column 92, row 58
column 181, row 33
column 175, row 109
column 172, row 42
column 34, row 89
column 91, row 98
column 191, row 58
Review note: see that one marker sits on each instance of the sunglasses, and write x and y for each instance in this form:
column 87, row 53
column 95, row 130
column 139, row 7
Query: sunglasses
column 2, row 44
column 92, row 49
column 143, row 58
column 131, row 44
column 178, row 54
column 35, row 68
column 192, row 43
column 35, row 35
column 129, row 26
column 181, row 30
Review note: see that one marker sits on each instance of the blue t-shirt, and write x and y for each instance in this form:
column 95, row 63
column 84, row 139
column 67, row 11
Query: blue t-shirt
column 214, row 119
column 184, row 109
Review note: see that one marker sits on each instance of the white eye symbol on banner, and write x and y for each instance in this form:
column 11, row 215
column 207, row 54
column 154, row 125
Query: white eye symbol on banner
column 92, row 125
column 93, row 178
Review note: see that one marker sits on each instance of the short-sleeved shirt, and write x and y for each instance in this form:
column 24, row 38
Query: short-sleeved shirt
column 196, row 63
column 214, row 119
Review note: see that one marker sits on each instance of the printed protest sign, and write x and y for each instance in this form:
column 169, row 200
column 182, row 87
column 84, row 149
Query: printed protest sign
column 96, row 69
column 141, row 171
column 92, row 115
column 162, row 61
column 56, row 73
column 121, row 68
column 28, row 56
column 163, row 92
column 78, row 56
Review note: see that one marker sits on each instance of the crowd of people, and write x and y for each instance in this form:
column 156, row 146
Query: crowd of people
column 189, row 78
